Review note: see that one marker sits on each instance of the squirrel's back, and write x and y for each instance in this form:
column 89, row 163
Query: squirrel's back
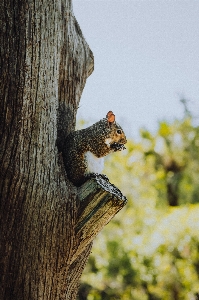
column 84, row 149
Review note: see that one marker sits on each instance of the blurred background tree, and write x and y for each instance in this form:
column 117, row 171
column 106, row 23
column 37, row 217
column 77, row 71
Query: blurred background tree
column 151, row 249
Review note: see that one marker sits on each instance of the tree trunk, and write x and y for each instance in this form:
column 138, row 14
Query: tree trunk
column 45, row 62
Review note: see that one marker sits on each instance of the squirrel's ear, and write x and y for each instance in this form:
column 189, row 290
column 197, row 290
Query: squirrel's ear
column 110, row 117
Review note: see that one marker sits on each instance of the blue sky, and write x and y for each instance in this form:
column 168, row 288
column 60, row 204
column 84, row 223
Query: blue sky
column 146, row 57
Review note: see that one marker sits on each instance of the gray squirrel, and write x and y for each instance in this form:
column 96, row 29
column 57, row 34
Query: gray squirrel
column 84, row 149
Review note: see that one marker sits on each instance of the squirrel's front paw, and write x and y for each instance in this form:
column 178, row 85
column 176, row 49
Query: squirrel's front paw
column 94, row 175
column 117, row 147
column 104, row 177
column 91, row 175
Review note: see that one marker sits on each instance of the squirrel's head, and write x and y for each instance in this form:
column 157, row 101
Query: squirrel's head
column 116, row 137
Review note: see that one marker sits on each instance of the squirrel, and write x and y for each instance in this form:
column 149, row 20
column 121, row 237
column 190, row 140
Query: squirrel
column 84, row 150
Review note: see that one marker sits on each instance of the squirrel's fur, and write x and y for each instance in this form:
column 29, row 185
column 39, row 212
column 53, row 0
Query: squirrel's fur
column 100, row 139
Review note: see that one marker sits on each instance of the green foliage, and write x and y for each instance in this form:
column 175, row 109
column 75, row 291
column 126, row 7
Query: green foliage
column 150, row 250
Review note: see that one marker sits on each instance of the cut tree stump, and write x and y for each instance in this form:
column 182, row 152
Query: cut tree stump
column 100, row 201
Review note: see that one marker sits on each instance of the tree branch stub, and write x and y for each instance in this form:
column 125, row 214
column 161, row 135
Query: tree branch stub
column 100, row 201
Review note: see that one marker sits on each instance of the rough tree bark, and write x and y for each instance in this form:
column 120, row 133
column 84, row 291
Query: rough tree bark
column 45, row 62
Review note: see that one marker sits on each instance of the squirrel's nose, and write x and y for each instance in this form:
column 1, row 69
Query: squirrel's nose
column 123, row 140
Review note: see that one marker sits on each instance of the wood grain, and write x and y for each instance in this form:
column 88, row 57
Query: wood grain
column 100, row 201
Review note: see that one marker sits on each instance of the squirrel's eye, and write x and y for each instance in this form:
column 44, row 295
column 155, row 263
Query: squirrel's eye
column 119, row 131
